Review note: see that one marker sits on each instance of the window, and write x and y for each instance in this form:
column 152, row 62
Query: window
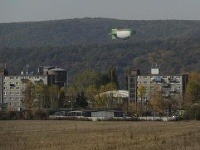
column 132, row 90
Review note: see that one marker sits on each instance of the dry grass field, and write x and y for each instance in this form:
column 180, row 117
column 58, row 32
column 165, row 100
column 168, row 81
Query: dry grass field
column 88, row 135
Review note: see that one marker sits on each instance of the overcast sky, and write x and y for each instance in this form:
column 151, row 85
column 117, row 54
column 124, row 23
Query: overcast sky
column 37, row 10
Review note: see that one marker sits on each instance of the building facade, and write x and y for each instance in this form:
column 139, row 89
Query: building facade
column 12, row 86
column 132, row 85
column 169, row 85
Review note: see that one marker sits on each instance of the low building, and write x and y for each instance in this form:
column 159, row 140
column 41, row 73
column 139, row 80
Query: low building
column 115, row 98
column 107, row 114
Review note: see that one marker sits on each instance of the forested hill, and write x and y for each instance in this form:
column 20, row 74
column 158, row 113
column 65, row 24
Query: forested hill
column 84, row 44
column 89, row 30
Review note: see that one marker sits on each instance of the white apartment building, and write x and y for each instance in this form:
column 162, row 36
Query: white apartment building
column 169, row 84
column 14, row 86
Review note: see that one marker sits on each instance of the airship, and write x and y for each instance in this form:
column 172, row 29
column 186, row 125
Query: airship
column 121, row 33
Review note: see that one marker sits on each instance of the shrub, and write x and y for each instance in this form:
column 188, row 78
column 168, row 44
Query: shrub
column 40, row 114
column 11, row 115
column 192, row 112
column 28, row 114
column 2, row 115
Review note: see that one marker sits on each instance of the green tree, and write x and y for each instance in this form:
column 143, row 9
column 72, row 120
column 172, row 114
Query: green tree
column 53, row 96
column 173, row 103
column 192, row 112
column 113, row 76
column 102, row 99
column 81, row 100
column 193, row 87
column 28, row 101
column 158, row 103
column 91, row 93
column 108, row 87
column 41, row 95
column 101, row 102
column 62, row 98
column 29, row 96
column 86, row 79
column 141, row 93
column 71, row 94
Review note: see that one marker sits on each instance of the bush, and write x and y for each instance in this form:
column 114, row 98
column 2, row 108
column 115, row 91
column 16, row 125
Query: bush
column 28, row 114
column 2, row 115
column 11, row 115
column 40, row 114
column 192, row 112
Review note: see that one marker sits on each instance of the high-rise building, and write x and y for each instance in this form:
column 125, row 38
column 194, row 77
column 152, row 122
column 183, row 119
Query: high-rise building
column 168, row 84
column 132, row 85
column 12, row 86
column 3, row 72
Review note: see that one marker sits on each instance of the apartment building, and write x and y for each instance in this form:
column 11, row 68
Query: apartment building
column 12, row 86
column 168, row 84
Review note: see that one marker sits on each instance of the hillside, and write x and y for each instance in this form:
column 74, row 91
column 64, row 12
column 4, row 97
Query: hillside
column 82, row 44
column 88, row 30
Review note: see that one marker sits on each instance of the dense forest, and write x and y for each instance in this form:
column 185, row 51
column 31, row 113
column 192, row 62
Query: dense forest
column 84, row 44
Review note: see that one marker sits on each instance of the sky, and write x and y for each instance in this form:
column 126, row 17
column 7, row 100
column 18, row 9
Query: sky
column 39, row 10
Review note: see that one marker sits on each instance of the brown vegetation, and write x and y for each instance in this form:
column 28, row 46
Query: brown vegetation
column 99, row 135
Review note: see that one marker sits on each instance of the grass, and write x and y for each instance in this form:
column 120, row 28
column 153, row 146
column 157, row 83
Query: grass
column 83, row 135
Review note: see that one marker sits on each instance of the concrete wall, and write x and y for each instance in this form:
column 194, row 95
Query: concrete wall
column 105, row 114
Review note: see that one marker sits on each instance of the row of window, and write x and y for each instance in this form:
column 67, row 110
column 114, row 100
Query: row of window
column 151, row 82
column 12, row 99
column 24, row 77
column 164, row 77
column 11, row 83
column 11, row 93
column 15, row 104
column 12, row 88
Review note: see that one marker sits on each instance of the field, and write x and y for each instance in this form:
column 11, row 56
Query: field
column 83, row 135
